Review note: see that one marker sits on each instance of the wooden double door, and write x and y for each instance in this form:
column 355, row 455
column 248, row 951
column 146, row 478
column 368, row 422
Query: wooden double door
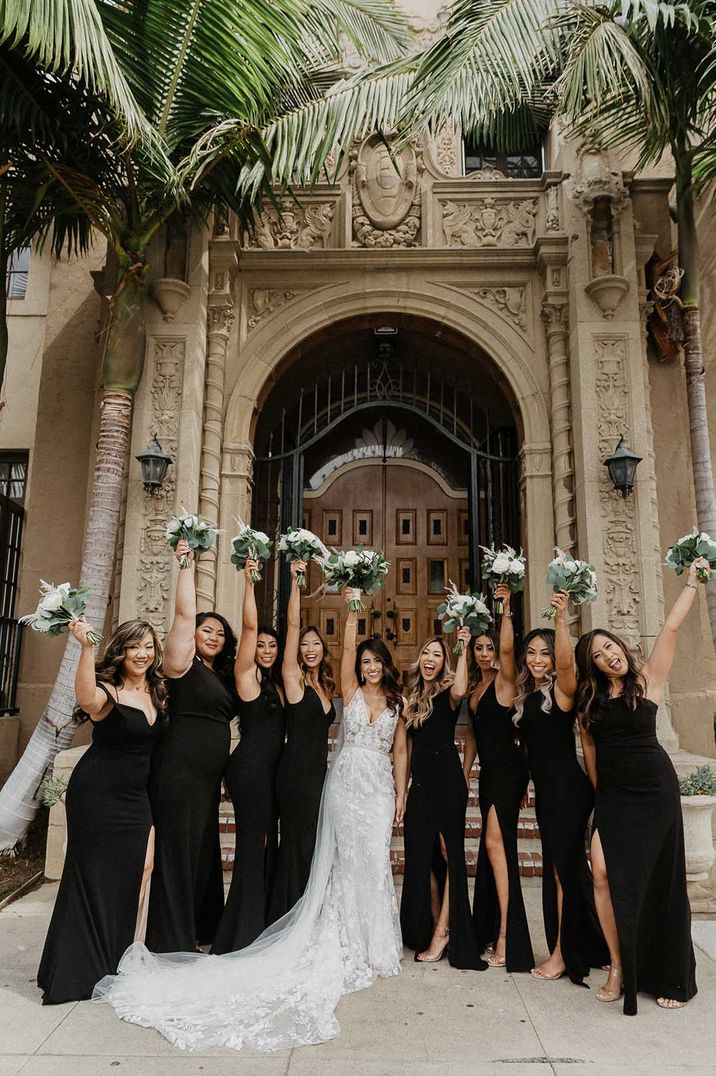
column 421, row 524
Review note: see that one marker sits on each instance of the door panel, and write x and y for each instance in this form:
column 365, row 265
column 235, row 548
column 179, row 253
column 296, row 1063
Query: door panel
column 409, row 514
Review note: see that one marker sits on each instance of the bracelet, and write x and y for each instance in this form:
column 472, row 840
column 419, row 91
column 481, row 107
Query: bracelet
column 506, row 614
column 692, row 586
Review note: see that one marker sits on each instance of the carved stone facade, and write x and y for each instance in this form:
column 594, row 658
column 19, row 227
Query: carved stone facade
column 166, row 370
column 386, row 196
column 294, row 227
column 622, row 582
column 489, row 222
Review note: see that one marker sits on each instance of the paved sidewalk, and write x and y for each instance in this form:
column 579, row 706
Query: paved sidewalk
column 428, row 1021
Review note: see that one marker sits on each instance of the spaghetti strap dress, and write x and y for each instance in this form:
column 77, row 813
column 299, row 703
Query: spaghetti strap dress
column 502, row 785
column 564, row 800
column 109, row 820
column 299, row 784
column 187, row 898
column 638, row 818
column 437, row 803
column 249, row 778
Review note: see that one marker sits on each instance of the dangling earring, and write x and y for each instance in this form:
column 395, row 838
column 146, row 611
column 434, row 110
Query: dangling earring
column 361, row 679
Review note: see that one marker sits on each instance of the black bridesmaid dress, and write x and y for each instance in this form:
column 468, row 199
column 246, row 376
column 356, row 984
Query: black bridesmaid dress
column 109, row 820
column 638, row 818
column 437, row 803
column 564, row 799
column 187, row 897
column 502, row 784
column 249, row 778
column 299, row 784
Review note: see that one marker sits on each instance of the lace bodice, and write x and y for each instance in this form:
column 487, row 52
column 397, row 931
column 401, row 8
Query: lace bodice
column 358, row 730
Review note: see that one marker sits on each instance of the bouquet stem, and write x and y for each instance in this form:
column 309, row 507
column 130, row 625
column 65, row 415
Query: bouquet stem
column 300, row 580
column 94, row 638
column 498, row 607
column 183, row 561
column 548, row 614
column 459, row 648
column 255, row 575
column 702, row 575
column 355, row 605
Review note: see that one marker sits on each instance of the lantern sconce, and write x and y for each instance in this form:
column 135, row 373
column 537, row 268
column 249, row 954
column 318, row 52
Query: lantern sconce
column 622, row 465
column 154, row 463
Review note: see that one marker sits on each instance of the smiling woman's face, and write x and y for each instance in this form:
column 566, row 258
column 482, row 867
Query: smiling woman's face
column 210, row 639
column 311, row 650
column 539, row 659
column 431, row 662
column 266, row 650
column 608, row 657
column 139, row 656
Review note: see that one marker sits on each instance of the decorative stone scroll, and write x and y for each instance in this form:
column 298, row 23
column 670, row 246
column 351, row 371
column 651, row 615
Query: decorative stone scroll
column 619, row 530
column 296, row 227
column 386, row 195
column 487, row 222
column 594, row 180
column 155, row 558
column 511, row 301
column 264, row 301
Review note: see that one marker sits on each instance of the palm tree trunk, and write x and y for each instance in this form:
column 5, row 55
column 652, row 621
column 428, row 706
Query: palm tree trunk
column 694, row 366
column 21, row 795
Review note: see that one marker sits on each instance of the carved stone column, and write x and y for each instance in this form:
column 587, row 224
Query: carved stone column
column 535, row 491
column 220, row 317
column 236, row 493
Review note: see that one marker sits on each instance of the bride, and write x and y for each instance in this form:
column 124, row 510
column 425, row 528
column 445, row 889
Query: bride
column 282, row 990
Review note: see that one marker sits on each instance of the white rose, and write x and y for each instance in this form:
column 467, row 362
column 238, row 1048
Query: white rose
column 351, row 559
column 517, row 568
column 51, row 602
column 261, row 537
column 501, row 564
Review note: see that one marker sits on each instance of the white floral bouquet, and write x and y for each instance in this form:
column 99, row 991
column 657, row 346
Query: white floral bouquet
column 57, row 608
column 688, row 549
column 463, row 611
column 503, row 566
column 300, row 544
column 194, row 529
column 575, row 577
column 249, row 544
column 359, row 569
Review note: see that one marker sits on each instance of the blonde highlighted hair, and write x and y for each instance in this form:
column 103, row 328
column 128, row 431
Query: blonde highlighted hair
column 419, row 698
column 525, row 684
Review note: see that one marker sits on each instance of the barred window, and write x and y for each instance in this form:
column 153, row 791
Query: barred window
column 527, row 165
column 17, row 274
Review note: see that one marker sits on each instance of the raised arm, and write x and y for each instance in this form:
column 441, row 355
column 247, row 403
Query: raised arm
column 401, row 765
column 245, row 665
column 179, row 647
column 566, row 685
column 349, row 683
column 291, row 669
column 658, row 665
column 90, row 697
column 459, row 687
column 507, row 673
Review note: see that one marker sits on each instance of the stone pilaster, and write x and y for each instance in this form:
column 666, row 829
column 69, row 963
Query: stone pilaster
column 535, row 493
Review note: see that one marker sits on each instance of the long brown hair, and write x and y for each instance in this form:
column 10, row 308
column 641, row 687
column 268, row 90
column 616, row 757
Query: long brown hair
column 325, row 670
column 390, row 679
column 525, row 683
column 108, row 667
column 593, row 686
column 419, row 698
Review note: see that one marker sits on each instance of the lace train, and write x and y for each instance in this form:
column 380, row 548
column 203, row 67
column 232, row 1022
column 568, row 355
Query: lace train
column 282, row 990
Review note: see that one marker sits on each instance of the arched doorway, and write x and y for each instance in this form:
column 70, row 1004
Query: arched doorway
column 396, row 433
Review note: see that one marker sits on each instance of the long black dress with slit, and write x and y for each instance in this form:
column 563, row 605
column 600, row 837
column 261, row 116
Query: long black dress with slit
column 187, row 897
column 437, row 803
column 109, row 820
column 638, row 818
column 249, row 778
column 564, row 800
column 299, row 784
column 502, row 784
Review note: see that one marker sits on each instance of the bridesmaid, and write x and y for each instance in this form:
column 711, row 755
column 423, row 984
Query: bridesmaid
column 187, row 896
column 249, row 778
column 101, row 904
column 435, row 906
column 638, row 840
column 498, row 907
column 544, row 714
column 309, row 687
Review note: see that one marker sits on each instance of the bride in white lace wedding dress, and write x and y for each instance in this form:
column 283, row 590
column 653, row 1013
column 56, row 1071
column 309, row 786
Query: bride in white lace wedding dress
column 283, row 989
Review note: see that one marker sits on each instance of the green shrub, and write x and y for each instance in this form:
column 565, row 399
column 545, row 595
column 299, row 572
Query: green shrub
column 701, row 782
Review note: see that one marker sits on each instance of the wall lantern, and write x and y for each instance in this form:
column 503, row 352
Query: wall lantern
column 154, row 463
column 622, row 465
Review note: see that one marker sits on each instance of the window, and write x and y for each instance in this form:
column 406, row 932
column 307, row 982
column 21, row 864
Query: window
column 436, row 576
column 17, row 273
column 13, row 480
column 527, row 165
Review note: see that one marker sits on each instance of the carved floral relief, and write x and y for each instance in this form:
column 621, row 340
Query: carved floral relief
column 295, row 227
column 487, row 222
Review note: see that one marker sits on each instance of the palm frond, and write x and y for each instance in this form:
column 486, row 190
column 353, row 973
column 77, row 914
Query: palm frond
column 377, row 29
column 67, row 38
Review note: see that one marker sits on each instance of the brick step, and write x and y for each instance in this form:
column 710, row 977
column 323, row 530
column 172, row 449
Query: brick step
column 226, row 809
column 527, row 828
column 530, row 861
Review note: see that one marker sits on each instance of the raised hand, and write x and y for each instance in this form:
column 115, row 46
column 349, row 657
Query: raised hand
column 351, row 594
column 699, row 570
column 463, row 636
column 251, row 566
column 296, row 567
column 504, row 595
column 80, row 629
column 559, row 603
column 184, row 550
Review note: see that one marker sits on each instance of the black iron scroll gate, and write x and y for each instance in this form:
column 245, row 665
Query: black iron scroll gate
column 318, row 409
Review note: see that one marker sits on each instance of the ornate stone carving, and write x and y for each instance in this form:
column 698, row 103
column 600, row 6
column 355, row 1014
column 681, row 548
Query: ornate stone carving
column 155, row 559
column 510, row 300
column 264, row 301
column 594, row 180
column 552, row 222
column 487, row 222
column 488, row 172
column 427, row 30
column 296, row 227
column 444, row 150
column 619, row 542
column 386, row 196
